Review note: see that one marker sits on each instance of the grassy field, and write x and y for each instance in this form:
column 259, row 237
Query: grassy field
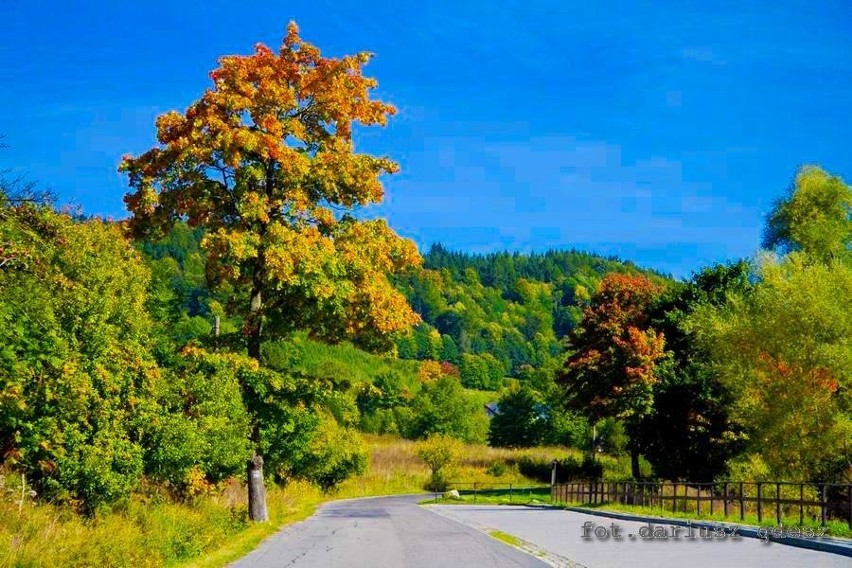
column 153, row 530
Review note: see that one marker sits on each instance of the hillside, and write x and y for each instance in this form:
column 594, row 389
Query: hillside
column 495, row 314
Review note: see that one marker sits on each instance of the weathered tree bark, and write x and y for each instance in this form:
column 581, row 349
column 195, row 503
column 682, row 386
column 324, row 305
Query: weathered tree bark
column 256, row 490
column 256, row 487
column 254, row 323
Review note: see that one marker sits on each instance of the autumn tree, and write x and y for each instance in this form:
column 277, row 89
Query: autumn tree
column 615, row 355
column 265, row 162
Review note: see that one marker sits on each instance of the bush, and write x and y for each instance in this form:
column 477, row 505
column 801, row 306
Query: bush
column 443, row 407
column 535, row 468
column 203, row 426
column 438, row 452
column 333, row 454
column 497, row 469
column 75, row 357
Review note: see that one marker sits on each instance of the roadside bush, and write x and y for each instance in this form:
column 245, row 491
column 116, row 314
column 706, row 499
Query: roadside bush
column 438, row 451
column 535, row 468
column 75, row 362
column 497, row 469
column 203, row 426
column 333, row 454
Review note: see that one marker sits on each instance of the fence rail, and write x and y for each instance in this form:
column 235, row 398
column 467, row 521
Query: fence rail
column 482, row 488
column 824, row 502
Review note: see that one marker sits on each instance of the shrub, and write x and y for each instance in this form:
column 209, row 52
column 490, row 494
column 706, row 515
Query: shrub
column 497, row 469
column 333, row 454
column 75, row 356
column 203, row 426
column 438, row 452
column 443, row 407
column 535, row 468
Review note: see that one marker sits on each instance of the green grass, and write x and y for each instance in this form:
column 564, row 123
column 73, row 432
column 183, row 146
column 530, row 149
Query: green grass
column 522, row 495
column 343, row 360
column 347, row 361
column 511, row 540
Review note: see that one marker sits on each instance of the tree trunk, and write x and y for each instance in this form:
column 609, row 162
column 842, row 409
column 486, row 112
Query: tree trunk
column 256, row 490
column 254, row 322
column 254, row 328
column 634, row 461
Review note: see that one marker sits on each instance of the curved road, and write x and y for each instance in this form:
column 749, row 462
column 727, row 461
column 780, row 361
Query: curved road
column 383, row 532
column 396, row 532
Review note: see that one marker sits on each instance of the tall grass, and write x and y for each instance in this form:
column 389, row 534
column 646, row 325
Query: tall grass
column 153, row 530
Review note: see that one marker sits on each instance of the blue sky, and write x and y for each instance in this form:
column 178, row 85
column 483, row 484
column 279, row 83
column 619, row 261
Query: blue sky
column 657, row 131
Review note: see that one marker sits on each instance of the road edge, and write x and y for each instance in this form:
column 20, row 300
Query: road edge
column 830, row 545
column 546, row 556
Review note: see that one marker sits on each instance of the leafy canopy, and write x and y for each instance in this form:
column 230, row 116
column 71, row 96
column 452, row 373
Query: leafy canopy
column 613, row 366
column 814, row 218
column 783, row 351
column 265, row 162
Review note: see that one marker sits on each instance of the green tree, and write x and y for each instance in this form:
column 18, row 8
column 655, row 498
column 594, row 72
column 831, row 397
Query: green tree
column 442, row 407
column 689, row 434
column 522, row 420
column 449, row 351
column 813, row 218
column 783, row 351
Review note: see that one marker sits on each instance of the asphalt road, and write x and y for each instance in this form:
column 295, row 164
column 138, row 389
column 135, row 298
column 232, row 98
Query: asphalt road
column 383, row 532
column 561, row 532
column 396, row 532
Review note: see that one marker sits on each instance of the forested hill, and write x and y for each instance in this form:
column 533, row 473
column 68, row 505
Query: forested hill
column 495, row 314
column 491, row 315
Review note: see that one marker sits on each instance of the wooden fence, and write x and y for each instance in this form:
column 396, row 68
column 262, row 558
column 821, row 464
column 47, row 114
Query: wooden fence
column 768, row 499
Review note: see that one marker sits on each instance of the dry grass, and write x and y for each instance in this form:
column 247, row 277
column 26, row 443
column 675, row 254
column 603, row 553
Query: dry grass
column 151, row 530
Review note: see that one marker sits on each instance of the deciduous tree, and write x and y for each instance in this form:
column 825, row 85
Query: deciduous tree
column 613, row 367
column 265, row 162
column 813, row 218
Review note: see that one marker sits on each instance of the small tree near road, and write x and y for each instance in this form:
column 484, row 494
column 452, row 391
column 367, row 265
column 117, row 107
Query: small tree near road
column 438, row 451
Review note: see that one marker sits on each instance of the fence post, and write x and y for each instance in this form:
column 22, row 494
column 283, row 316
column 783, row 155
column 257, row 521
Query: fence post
column 759, row 504
column 674, row 498
column 712, row 494
column 778, row 503
column 698, row 499
column 849, row 494
column 742, row 502
column 474, row 491
column 725, row 500
column 801, row 503
column 823, row 504
column 510, row 493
